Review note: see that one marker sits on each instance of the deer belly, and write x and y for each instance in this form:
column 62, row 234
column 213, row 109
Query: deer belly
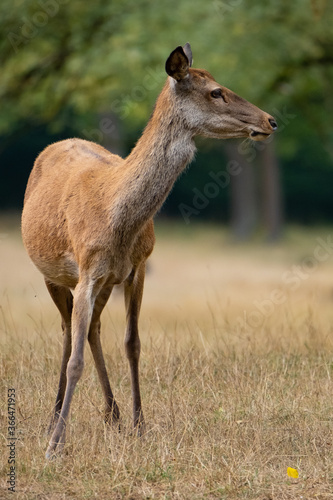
column 62, row 271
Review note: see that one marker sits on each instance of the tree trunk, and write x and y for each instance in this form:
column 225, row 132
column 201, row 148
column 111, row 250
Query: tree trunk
column 244, row 213
column 271, row 193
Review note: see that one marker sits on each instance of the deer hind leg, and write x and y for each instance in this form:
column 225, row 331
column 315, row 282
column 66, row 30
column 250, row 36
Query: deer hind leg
column 133, row 296
column 63, row 299
column 111, row 407
column 84, row 296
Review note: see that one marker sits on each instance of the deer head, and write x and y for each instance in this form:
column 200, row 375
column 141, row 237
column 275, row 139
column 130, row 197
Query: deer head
column 208, row 108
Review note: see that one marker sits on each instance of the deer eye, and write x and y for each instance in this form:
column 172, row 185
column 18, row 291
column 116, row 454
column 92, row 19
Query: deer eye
column 216, row 93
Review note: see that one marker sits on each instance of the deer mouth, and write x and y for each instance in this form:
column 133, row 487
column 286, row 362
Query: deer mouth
column 258, row 136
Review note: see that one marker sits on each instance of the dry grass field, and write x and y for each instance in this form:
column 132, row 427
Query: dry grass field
column 236, row 368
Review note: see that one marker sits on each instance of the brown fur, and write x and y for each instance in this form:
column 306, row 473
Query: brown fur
column 87, row 218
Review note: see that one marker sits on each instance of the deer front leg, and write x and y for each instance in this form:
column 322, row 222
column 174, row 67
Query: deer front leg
column 81, row 316
column 133, row 297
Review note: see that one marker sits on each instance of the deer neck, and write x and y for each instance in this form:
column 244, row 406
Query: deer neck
column 149, row 172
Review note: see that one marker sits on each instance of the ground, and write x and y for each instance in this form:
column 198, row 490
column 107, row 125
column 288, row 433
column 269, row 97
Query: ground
column 236, row 371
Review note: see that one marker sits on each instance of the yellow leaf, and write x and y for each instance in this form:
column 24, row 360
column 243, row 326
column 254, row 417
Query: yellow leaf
column 292, row 472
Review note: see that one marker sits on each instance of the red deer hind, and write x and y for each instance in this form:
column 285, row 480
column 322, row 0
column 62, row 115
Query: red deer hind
column 87, row 219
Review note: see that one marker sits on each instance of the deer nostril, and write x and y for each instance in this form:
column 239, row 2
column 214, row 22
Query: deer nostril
column 273, row 123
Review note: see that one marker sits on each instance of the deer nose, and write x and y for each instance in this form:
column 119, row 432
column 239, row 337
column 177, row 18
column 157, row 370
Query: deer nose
column 272, row 123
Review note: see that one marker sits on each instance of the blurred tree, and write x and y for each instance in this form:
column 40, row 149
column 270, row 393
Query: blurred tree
column 90, row 56
column 64, row 63
column 272, row 205
column 244, row 209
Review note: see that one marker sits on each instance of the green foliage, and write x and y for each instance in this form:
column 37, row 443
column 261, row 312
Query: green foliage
column 63, row 62
column 88, row 56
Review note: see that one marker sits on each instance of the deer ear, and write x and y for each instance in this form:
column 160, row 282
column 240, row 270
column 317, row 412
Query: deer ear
column 188, row 52
column 178, row 64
